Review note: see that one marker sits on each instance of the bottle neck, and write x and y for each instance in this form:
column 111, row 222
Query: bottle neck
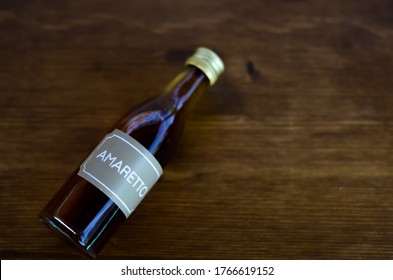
column 184, row 91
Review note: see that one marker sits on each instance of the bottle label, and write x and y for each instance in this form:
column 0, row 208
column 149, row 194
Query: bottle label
column 122, row 169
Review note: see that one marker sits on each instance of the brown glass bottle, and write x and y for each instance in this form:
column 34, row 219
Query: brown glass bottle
column 82, row 212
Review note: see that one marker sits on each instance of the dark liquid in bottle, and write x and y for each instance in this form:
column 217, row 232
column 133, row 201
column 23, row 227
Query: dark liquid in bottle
column 84, row 214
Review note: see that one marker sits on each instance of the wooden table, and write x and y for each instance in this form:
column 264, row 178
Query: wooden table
column 289, row 156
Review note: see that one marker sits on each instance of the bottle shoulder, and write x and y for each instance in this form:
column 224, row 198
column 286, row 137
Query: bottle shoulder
column 149, row 112
column 153, row 126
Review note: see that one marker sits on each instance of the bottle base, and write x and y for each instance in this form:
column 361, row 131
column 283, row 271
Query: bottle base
column 63, row 230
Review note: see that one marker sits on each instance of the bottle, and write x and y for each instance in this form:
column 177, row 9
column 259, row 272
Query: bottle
column 107, row 187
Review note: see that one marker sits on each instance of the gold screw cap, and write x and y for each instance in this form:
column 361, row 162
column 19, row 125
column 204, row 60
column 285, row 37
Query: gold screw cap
column 207, row 61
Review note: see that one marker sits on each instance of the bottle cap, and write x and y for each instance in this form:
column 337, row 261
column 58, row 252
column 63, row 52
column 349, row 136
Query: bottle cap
column 207, row 61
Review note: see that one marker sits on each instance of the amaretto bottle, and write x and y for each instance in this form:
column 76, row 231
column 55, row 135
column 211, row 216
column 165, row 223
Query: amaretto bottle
column 107, row 187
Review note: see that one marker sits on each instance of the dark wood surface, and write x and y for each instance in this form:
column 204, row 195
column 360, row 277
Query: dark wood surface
column 289, row 156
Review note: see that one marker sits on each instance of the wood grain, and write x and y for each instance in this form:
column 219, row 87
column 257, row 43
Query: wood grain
column 289, row 156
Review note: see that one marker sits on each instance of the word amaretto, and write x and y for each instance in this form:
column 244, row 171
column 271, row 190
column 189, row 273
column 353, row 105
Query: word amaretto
column 125, row 171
